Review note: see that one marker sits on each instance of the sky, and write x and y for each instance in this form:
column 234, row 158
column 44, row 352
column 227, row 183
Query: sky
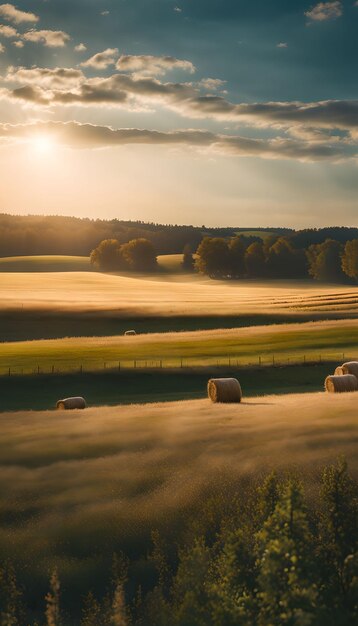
column 215, row 112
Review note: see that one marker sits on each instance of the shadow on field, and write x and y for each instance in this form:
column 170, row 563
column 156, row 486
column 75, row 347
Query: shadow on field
column 37, row 392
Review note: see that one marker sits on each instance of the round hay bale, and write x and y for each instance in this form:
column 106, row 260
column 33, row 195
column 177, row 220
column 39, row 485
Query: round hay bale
column 224, row 390
column 341, row 384
column 339, row 371
column 351, row 367
column 71, row 403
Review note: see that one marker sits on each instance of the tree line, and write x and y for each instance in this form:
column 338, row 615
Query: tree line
column 269, row 554
column 39, row 234
column 330, row 260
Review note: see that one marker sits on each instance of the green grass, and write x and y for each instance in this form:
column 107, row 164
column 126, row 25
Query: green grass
column 45, row 263
column 132, row 386
column 292, row 341
column 29, row 325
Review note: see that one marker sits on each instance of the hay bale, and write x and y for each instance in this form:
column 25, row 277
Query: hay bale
column 71, row 403
column 224, row 390
column 130, row 332
column 351, row 367
column 339, row 371
column 341, row 384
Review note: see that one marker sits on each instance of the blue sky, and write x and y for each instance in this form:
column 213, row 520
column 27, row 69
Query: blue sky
column 240, row 112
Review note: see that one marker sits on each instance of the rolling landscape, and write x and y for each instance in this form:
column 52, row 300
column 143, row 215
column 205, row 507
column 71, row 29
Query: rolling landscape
column 178, row 313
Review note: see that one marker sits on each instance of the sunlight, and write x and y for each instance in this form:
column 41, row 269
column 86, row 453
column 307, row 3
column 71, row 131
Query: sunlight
column 42, row 144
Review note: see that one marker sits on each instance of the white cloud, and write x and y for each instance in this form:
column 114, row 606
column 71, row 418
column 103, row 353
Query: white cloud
column 324, row 11
column 148, row 65
column 105, row 13
column 11, row 13
column 211, row 84
column 8, row 31
column 282, row 44
column 178, row 9
column 102, row 60
column 49, row 38
column 80, row 47
column 18, row 43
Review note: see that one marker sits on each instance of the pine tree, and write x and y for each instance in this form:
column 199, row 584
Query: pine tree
column 338, row 549
column 286, row 585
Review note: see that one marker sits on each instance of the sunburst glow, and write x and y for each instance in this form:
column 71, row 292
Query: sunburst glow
column 42, row 144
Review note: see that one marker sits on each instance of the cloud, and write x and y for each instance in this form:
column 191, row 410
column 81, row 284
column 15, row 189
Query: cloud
column 130, row 92
column 11, row 13
column 80, row 47
column 148, row 65
column 211, row 84
column 54, row 78
column 104, row 12
column 89, row 136
column 8, row 31
column 177, row 9
column 283, row 44
column 49, row 38
column 102, row 60
column 2, row 48
column 18, row 43
column 324, row 11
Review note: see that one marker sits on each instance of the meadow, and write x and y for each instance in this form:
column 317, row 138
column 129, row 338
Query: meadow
column 169, row 295
column 78, row 487
column 330, row 340
column 128, row 386
column 45, row 263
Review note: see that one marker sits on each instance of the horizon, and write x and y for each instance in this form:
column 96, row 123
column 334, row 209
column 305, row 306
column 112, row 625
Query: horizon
column 178, row 224
column 180, row 112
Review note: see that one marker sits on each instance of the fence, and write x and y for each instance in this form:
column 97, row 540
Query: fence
column 267, row 360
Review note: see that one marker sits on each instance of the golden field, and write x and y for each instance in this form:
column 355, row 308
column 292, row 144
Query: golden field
column 169, row 295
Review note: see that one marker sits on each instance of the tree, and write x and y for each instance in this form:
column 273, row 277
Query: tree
column 338, row 548
column 237, row 256
column 287, row 591
column 188, row 259
column 140, row 255
column 255, row 260
column 350, row 259
column 213, row 257
column 107, row 256
column 283, row 261
column 325, row 261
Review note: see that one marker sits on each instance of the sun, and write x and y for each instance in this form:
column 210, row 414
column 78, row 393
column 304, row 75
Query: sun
column 42, row 144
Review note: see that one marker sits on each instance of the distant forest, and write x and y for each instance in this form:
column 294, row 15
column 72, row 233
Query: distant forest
column 37, row 235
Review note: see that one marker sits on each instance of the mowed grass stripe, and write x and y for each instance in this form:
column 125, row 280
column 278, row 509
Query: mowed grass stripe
column 201, row 347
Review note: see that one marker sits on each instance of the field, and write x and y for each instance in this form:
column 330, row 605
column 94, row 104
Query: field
column 128, row 386
column 60, row 263
column 78, row 486
column 167, row 296
column 49, row 263
column 284, row 343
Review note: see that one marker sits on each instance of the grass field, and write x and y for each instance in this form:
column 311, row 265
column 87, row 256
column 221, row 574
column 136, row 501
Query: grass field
column 61, row 263
column 331, row 340
column 45, row 263
column 112, row 387
column 169, row 295
column 79, row 486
